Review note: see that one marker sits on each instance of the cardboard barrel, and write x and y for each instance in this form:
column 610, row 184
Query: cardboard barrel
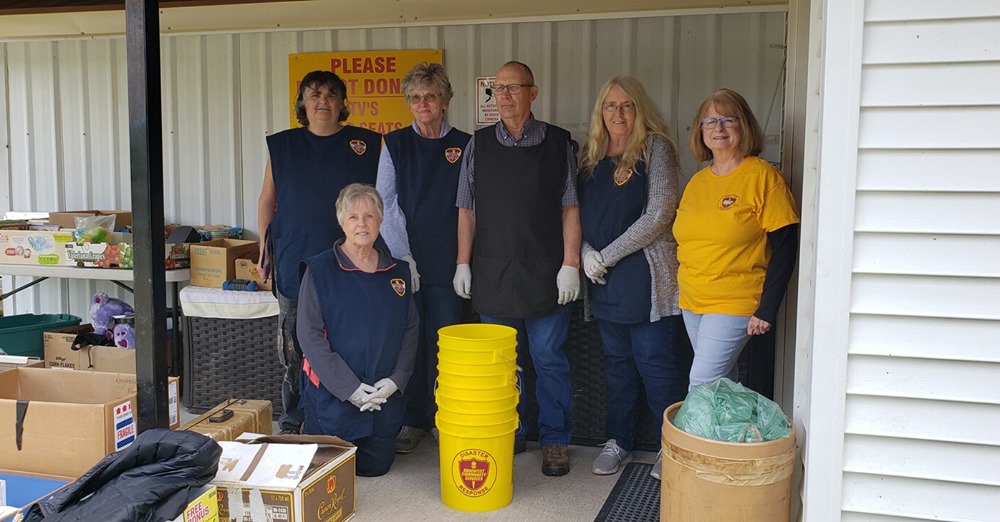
column 709, row 480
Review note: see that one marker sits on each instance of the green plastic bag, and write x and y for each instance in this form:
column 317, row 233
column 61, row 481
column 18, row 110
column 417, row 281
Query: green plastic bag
column 727, row 411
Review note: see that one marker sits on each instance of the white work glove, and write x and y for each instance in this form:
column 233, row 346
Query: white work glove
column 463, row 281
column 362, row 396
column 568, row 283
column 414, row 275
column 384, row 389
column 593, row 266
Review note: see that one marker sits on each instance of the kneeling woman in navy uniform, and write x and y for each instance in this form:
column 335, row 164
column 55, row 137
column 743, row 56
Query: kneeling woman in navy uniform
column 357, row 325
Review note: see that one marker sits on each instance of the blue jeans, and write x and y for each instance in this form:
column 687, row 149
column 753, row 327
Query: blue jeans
column 290, row 355
column 554, row 388
column 632, row 352
column 438, row 306
column 717, row 340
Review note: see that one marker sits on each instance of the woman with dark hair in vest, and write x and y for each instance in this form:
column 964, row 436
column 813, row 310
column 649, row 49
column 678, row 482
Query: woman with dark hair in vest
column 418, row 178
column 307, row 168
column 358, row 327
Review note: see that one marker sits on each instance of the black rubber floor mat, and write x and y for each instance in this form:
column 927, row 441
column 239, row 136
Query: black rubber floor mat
column 635, row 497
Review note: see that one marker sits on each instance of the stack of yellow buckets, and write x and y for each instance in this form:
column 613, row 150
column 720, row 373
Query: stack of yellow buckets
column 476, row 399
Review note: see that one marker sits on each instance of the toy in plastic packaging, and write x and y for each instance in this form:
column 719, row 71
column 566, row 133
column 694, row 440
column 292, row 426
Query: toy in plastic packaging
column 728, row 411
column 94, row 229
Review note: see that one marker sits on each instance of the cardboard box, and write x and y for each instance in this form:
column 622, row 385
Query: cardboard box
column 20, row 490
column 247, row 269
column 33, row 247
column 67, row 219
column 204, row 508
column 294, row 478
column 213, row 262
column 117, row 253
column 73, row 419
column 59, row 353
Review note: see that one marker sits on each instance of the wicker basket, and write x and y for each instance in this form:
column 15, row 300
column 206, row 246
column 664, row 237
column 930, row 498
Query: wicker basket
column 231, row 358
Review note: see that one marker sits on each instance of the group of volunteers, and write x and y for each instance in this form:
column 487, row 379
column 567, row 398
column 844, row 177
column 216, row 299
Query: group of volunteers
column 511, row 218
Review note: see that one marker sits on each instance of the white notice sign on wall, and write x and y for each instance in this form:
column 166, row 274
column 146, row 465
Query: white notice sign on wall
column 486, row 107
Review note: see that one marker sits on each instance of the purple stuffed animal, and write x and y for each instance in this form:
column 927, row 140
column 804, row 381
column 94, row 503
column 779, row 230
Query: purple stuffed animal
column 125, row 336
column 102, row 312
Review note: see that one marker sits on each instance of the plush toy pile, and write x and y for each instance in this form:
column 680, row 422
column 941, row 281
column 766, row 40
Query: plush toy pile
column 103, row 310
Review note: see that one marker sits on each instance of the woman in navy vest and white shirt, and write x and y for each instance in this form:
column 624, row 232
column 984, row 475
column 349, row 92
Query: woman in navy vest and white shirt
column 418, row 179
column 357, row 325
column 628, row 197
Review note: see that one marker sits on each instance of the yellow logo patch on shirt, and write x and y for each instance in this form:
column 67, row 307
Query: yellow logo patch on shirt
column 359, row 147
column 728, row 201
column 452, row 154
column 398, row 285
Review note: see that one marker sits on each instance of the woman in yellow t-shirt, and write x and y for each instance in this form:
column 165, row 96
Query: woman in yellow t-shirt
column 737, row 237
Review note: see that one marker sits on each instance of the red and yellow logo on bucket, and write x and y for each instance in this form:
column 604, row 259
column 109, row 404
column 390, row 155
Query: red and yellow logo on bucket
column 474, row 472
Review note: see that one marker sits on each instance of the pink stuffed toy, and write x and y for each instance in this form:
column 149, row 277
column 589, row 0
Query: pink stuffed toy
column 103, row 309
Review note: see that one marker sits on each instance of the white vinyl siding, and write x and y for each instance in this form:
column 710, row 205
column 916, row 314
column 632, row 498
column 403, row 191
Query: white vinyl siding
column 922, row 408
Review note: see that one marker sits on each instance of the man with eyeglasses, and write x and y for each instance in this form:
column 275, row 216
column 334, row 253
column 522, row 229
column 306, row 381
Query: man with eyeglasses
column 519, row 241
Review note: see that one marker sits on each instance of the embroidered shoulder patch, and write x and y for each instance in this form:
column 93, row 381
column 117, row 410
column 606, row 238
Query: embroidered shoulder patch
column 359, row 147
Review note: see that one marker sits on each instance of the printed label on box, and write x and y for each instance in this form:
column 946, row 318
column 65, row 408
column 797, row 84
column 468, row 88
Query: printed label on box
column 124, row 426
column 172, row 403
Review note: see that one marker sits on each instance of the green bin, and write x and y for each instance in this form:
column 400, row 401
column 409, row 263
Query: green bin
column 22, row 334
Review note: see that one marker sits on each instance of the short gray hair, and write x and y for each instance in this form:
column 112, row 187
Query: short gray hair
column 428, row 75
column 353, row 192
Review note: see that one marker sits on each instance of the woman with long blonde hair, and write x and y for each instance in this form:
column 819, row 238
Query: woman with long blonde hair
column 628, row 197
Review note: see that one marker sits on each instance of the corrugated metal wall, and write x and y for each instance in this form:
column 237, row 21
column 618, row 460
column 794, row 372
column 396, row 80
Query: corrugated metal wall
column 67, row 125
column 923, row 369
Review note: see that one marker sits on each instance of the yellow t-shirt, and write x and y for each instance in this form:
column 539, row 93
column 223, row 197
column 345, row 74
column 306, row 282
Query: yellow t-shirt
column 721, row 231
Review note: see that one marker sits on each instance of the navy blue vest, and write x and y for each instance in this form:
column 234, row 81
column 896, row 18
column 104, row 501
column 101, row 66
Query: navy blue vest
column 606, row 212
column 309, row 172
column 365, row 317
column 518, row 247
column 427, row 183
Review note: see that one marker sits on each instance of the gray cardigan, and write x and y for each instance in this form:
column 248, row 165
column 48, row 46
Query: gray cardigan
column 653, row 231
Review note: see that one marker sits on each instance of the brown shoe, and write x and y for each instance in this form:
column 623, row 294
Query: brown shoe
column 555, row 460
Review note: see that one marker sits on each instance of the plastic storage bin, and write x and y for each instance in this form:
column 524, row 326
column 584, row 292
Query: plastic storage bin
column 22, row 334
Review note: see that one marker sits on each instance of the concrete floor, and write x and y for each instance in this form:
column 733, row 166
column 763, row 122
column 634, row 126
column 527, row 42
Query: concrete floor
column 411, row 490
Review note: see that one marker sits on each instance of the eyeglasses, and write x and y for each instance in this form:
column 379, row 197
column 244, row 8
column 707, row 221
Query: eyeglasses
column 513, row 89
column 727, row 122
column 613, row 107
column 416, row 98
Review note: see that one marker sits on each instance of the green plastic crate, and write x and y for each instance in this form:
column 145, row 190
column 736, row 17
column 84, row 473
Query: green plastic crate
column 22, row 334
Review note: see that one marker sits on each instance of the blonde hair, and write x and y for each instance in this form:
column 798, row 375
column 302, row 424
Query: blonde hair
column 727, row 102
column 648, row 122
column 353, row 192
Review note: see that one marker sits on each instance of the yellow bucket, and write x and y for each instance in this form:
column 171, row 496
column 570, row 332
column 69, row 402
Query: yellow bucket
column 460, row 401
column 506, row 356
column 477, row 465
column 466, row 377
column 477, row 419
column 476, row 337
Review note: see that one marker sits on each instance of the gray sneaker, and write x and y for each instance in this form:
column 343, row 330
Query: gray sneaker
column 611, row 458
column 658, row 466
column 408, row 439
